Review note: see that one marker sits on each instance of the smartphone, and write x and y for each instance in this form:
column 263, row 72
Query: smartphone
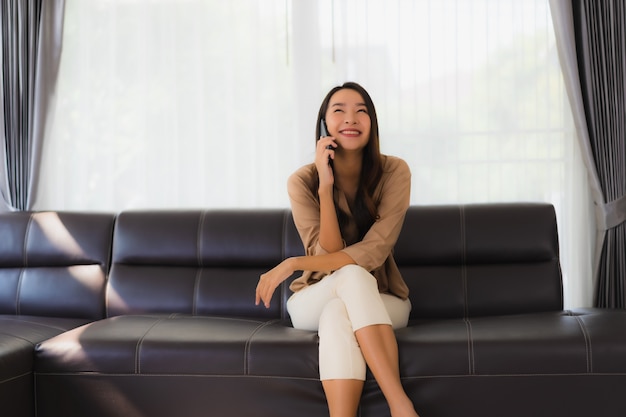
column 324, row 133
column 323, row 129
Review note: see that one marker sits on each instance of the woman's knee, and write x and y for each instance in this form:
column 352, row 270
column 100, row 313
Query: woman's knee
column 340, row 356
column 334, row 320
column 398, row 309
column 355, row 276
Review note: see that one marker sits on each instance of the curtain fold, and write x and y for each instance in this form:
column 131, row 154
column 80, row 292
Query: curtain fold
column 592, row 49
column 31, row 32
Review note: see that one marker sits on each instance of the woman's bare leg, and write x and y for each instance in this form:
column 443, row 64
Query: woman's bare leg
column 343, row 396
column 380, row 350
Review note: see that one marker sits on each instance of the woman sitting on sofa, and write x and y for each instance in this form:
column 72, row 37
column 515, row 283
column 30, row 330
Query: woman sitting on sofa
column 348, row 207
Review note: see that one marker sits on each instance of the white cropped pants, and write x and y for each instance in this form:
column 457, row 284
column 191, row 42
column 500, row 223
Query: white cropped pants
column 337, row 306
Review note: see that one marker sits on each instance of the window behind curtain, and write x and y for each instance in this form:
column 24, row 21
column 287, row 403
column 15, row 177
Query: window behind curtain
column 197, row 103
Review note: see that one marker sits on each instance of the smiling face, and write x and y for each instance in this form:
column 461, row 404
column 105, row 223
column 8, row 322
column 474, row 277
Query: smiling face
column 348, row 120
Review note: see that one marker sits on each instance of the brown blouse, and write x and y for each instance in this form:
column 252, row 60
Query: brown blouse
column 374, row 251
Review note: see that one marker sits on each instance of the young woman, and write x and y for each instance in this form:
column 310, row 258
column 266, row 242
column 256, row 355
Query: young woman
column 348, row 208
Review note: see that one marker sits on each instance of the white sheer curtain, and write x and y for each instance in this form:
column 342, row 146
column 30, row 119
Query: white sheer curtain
column 198, row 103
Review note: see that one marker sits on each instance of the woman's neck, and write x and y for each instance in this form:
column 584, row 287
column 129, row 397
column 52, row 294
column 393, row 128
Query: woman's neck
column 347, row 170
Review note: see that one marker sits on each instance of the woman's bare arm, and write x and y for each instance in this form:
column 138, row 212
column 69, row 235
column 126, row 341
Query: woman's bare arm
column 275, row 276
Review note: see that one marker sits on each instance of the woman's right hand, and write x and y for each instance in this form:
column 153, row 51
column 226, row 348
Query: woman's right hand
column 324, row 152
column 269, row 281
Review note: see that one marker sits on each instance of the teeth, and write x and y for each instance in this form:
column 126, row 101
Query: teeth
column 350, row 132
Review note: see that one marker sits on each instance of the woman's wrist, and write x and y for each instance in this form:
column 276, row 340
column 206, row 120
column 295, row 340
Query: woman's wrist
column 326, row 191
column 292, row 264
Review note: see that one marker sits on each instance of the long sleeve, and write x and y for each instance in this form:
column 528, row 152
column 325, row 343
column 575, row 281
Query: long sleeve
column 378, row 242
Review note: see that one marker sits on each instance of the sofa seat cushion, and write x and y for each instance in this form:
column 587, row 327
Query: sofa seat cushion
column 585, row 341
column 181, row 345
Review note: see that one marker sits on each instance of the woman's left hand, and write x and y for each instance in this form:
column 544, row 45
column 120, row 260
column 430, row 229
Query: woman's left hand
column 270, row 280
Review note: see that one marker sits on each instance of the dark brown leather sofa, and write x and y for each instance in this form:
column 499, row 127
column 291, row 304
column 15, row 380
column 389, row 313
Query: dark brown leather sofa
column 166, row 324
column 53, row 269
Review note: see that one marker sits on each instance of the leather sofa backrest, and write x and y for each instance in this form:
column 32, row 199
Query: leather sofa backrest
column 54, row 263
column 483, row 259
column 198, row 262
column 458, row 260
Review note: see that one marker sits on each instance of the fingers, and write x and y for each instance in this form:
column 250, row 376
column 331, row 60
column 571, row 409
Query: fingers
column 269, row 281
column 330, row 152
column 260, row 296
column 326, row 148
column 264, row 292
column 326, row 143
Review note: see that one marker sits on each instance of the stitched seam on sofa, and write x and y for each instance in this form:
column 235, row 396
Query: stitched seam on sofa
column 19, row 338
column 199, row 251
column 230, row 319
column 404, row 378
column 18, row 291
column 138, row 347
column 199, row 239
column 196, row 292
column 47, row 326
column 13, row 378
column 23, row 269
column 246, row 367
column 106, row 290
column 587, row 343
column 534, row 375
column 470, row 348
column 117, row 375
column 464, row 261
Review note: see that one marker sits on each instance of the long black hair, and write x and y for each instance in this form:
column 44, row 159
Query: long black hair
column 365, row 210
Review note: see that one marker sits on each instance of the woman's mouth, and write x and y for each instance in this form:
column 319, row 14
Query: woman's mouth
column 348, row 132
